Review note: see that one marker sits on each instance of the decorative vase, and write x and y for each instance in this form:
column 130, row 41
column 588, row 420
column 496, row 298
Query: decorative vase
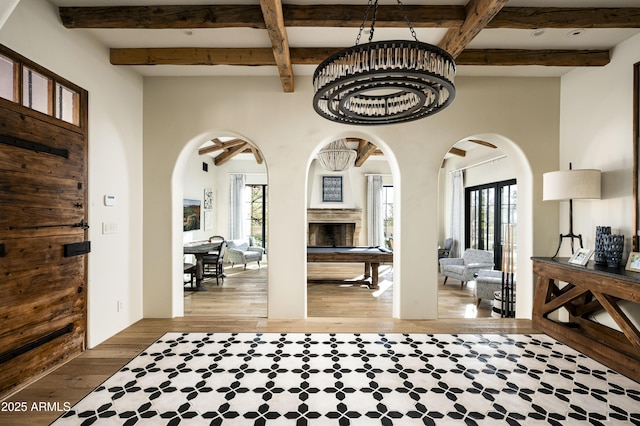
column 599, row 253
column 613, row 245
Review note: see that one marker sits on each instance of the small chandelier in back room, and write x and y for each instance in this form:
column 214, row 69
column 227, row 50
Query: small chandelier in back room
column 384, row 82
column 336, row 156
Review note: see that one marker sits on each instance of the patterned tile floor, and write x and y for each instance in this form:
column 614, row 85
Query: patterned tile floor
column 360, row 379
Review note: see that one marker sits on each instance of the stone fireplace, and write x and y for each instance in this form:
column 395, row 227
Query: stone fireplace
column 334, row 227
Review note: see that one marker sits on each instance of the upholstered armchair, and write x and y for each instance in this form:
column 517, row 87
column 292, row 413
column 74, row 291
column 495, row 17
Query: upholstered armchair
column 464, row 268
column 487, row 283
column 446, row 250
column 239, row 251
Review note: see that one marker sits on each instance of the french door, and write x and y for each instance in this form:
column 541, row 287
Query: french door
column 487, row 208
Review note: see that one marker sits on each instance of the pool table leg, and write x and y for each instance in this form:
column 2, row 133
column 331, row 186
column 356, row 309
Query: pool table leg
column 374, row 275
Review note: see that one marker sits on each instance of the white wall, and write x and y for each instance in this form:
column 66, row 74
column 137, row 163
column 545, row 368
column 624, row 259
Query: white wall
column 195, row 181
column 596, row 132
column 181, row 113
column 115, row 157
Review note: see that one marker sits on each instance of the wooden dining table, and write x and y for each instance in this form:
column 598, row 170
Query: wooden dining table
column 200, row 250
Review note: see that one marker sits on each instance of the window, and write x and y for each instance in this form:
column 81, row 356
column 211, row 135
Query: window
column 26, row 83
column 488, row 207
column 67, row 104
column 8, row 79
column 35, row 91
column 256, row 202
column 387, row 215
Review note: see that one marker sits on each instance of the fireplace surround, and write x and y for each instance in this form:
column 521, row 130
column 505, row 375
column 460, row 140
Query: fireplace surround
column 329, row 227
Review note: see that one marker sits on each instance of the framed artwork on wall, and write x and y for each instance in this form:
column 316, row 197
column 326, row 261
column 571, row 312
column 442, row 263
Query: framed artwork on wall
column 332, row 189
column 208, row 220
column 208, row 198
column 191, row 215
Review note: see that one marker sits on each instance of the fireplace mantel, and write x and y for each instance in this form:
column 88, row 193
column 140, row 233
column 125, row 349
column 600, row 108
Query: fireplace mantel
column 336, row 216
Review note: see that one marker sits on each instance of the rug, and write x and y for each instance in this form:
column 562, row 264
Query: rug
column 359, row 379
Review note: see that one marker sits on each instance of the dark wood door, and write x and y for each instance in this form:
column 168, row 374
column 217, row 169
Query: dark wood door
column 43, row 233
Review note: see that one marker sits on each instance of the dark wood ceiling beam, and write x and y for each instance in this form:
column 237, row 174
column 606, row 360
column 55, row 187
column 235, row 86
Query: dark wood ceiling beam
column 334, row 15
column 314, row 56
column 228, row 154
column 272, row 12
column 530, row 18
column 365, row 149
column 161, row 17
column 549, row 58
column 459, row 152
column 219, row 145
column 256, row 154
column 429, row 16
column 479, row 14
column 192, row 56
column 483, row 143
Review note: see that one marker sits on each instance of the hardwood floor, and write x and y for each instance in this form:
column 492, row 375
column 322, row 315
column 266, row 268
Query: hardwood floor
column 244, row 293
column 243, row 309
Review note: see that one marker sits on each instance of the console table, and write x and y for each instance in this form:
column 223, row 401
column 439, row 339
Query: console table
column 589, row 289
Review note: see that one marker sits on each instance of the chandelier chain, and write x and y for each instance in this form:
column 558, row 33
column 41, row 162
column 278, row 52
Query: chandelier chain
column 373, row 20
column 364, row 20
column 406, row 19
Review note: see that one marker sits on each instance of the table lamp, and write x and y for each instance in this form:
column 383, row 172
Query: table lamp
column 579, row 184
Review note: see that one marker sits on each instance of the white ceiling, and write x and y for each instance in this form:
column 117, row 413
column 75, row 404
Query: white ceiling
column 345, row 37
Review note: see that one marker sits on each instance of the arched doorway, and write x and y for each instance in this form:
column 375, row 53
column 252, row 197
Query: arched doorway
column 494, row 173
column 221, row 172
column 350, row 207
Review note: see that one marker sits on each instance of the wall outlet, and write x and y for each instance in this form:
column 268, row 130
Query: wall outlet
column 120, row 306
column 109, row 228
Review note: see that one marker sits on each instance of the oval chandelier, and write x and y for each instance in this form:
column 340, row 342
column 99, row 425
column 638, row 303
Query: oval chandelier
column 384, row 82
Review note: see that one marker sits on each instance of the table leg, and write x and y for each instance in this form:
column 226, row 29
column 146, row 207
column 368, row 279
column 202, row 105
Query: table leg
column 374, row 275
column 367, row 269
column 200, row 273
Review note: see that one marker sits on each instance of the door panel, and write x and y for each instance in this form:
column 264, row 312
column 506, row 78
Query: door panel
column 43, row 193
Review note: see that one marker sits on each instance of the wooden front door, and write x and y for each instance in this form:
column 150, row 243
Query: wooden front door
column 43, row 222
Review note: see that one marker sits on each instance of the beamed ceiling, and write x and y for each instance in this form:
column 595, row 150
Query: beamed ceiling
column 269, row 37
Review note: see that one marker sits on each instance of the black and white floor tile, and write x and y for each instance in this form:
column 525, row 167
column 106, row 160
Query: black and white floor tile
column 359, row 379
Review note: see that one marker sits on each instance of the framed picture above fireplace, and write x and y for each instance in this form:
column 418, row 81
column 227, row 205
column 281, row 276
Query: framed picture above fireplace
column 332, row 189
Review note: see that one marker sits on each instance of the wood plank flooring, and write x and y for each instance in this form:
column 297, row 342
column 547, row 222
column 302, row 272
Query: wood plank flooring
column 242, row 308
column 244, row 293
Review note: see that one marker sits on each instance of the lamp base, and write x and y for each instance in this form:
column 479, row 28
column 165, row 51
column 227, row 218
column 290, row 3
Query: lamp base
column 572, row 236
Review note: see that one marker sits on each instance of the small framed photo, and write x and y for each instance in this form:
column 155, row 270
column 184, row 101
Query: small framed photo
column 332, row 189
column 581, row 257
column 633, row 264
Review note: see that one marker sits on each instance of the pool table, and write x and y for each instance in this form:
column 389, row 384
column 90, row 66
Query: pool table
column 372, row 257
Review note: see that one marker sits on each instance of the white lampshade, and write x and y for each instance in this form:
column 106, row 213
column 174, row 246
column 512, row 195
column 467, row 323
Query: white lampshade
column 571, row 185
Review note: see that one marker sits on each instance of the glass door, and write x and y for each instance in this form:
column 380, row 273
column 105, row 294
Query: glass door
column 488, row 207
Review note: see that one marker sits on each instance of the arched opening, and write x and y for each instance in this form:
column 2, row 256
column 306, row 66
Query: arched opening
column 352, row 228
column 490, row 210
column 224, row 175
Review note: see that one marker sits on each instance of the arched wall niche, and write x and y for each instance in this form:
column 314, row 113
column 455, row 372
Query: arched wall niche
column 524, row 176
column 177, row 195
